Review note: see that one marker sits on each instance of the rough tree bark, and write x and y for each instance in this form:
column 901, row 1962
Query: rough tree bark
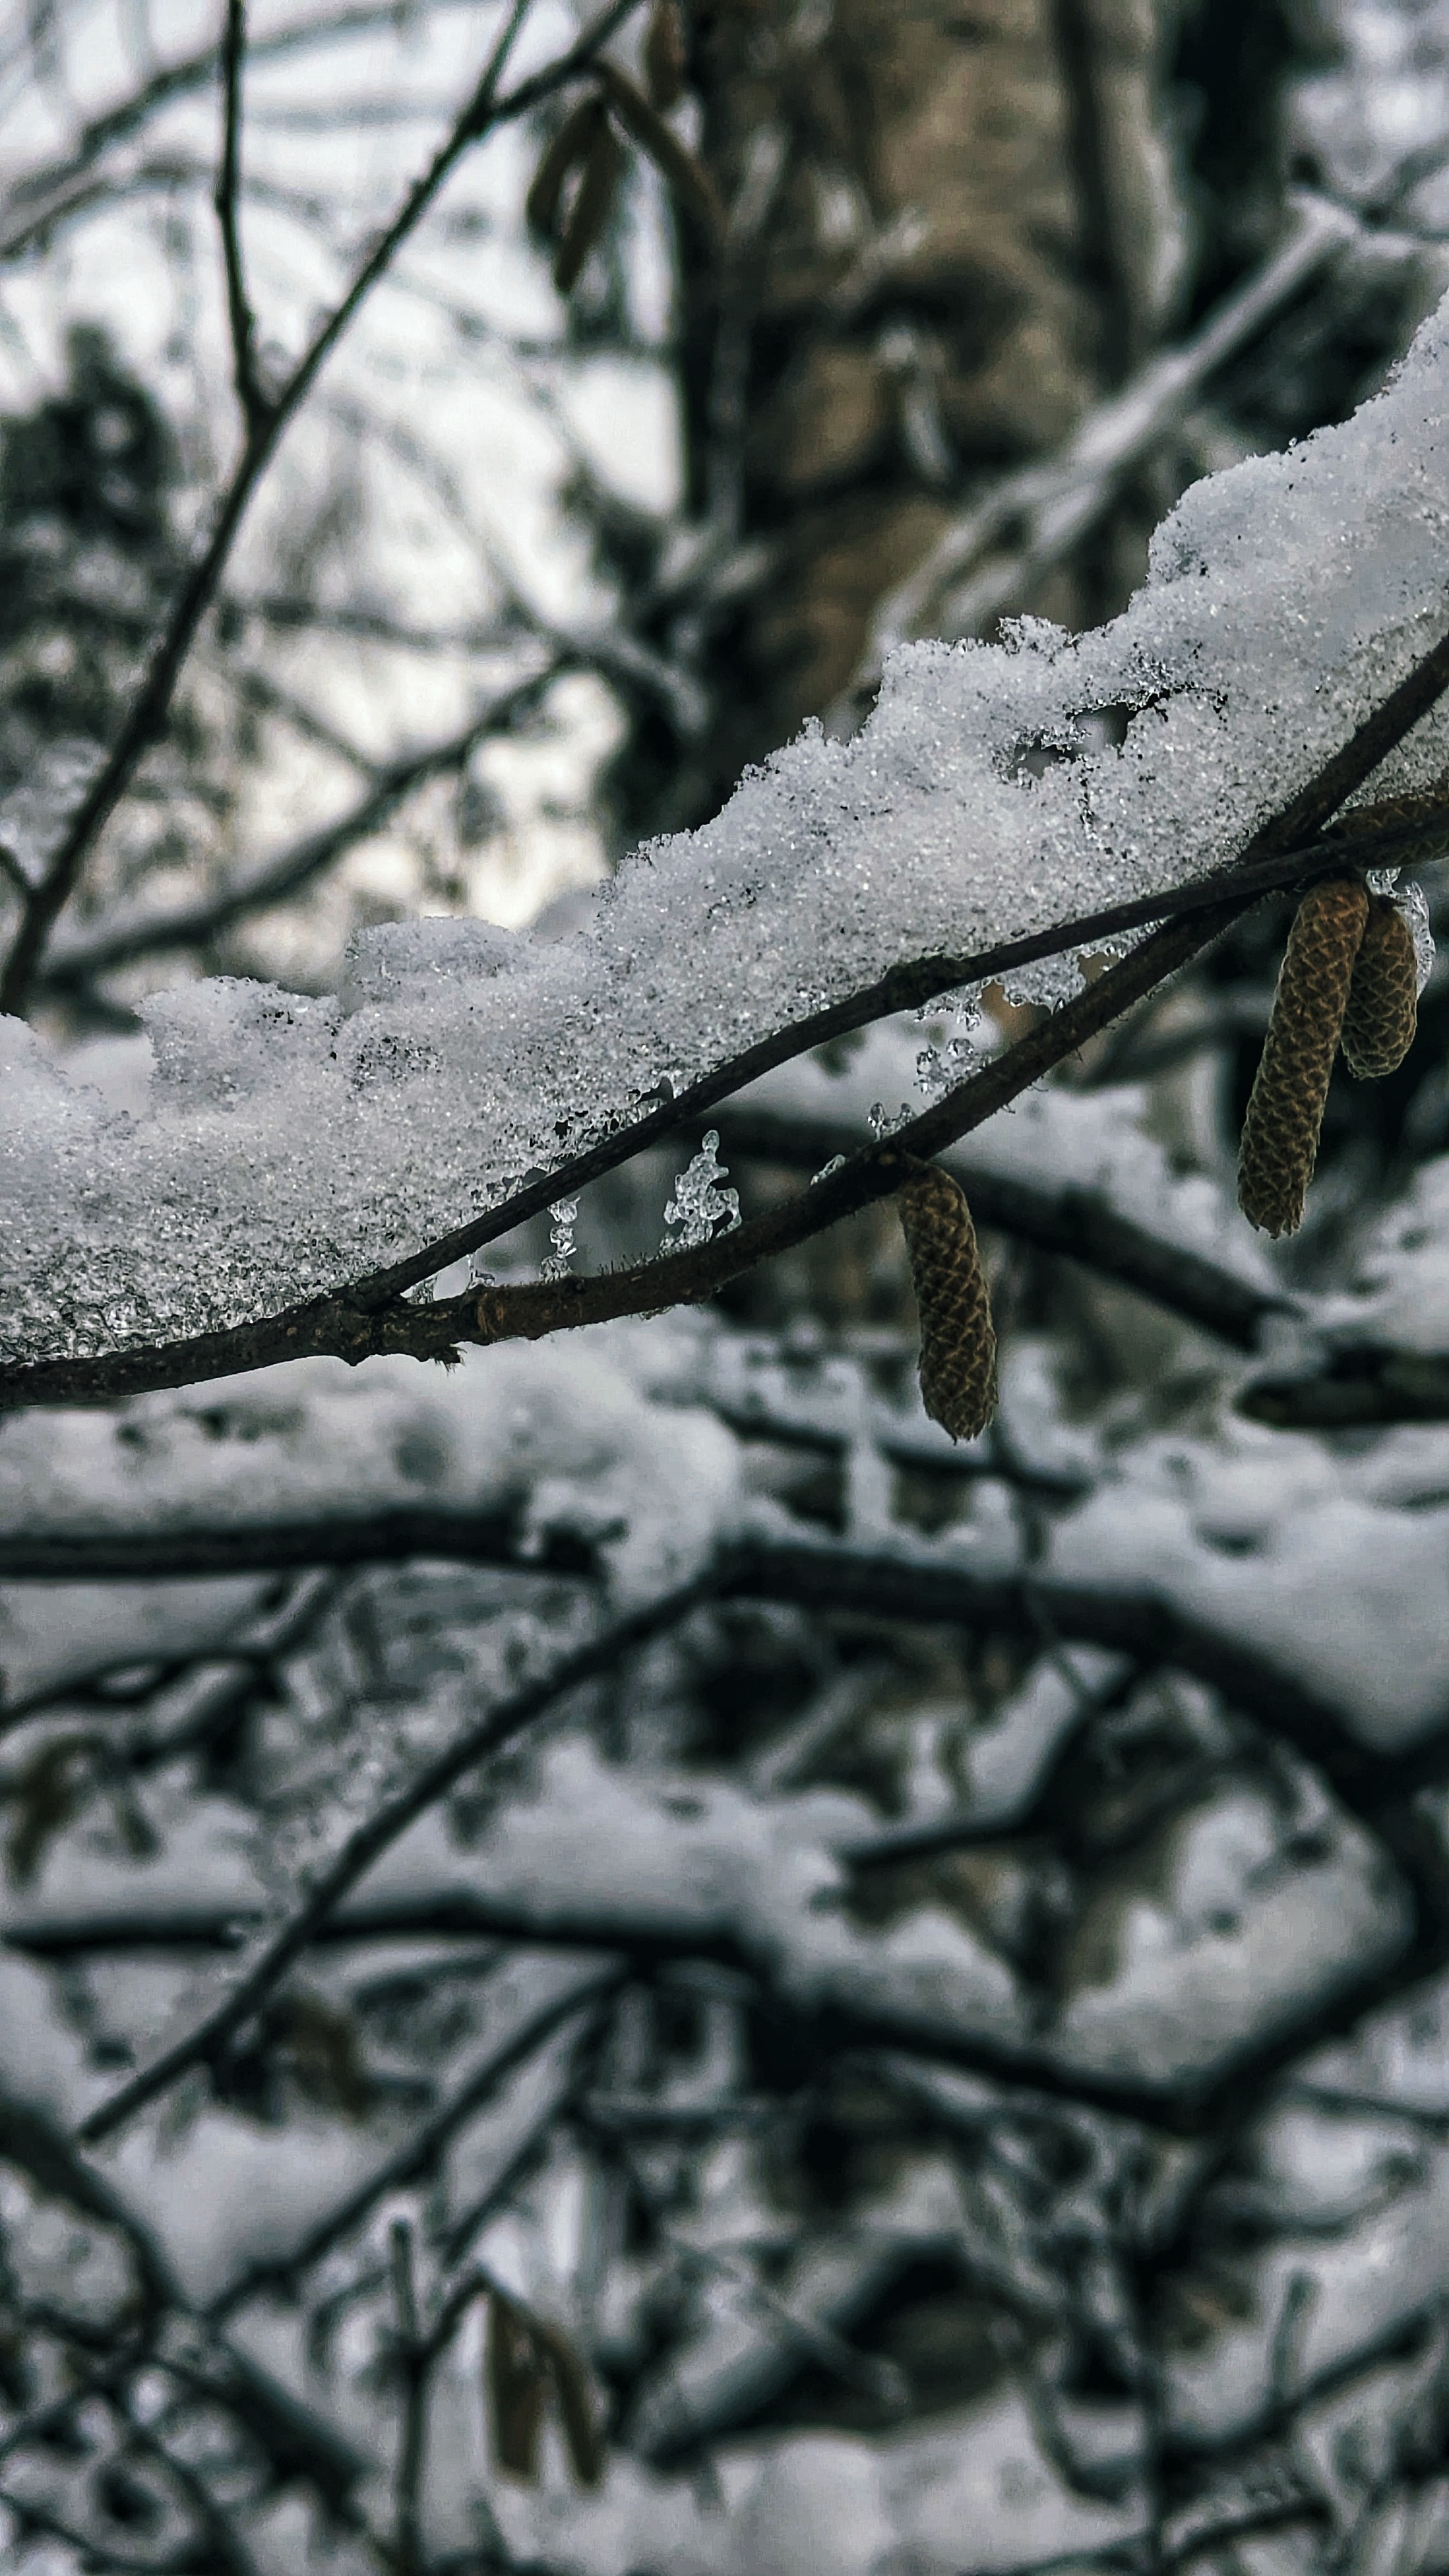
column 953, row 228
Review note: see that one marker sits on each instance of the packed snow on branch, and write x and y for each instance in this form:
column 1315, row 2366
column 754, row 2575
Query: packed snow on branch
column 994, row 1922
column 287, row 1146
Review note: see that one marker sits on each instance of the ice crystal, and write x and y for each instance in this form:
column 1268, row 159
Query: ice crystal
column 884, row 1122
column 698, row 1208
column 557, row 1263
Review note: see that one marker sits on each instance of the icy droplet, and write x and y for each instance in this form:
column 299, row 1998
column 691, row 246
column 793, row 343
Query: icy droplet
column 698, row 1208
column 561, row 1236
column 881, row 1122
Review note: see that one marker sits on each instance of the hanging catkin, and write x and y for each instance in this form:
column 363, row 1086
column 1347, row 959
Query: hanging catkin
column 1285, row 1112
column 1383, row 999
column 590, row 210
column 516, row 2381
column 958, row 1339
column 664, row 55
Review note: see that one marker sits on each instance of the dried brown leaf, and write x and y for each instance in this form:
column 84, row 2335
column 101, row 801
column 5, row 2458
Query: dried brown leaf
column 575, row 2405
column 664, row 60
column 516, row 2378
column 568, row 151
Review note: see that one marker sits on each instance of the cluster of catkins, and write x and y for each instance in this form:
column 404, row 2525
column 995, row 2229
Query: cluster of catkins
column 1349, row 980
column 575, row 185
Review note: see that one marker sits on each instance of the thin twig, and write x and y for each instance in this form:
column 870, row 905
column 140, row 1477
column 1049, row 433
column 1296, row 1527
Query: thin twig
column 255, row 405
column 150, row 708
column 412, row 2360
column 501, row 1725
column 127, row 935
column 47, row 193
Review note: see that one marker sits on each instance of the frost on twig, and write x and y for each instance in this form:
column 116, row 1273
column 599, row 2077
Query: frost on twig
column 698, row 1208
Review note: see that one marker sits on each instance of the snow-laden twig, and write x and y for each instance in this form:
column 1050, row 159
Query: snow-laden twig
column 502, row 1725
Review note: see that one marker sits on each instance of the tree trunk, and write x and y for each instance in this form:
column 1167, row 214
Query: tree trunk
column 953, row 227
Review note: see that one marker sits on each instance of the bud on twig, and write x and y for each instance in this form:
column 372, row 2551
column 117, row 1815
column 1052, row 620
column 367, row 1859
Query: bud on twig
column 1383, row 998
column 958, row 1338
column 1285, row 1112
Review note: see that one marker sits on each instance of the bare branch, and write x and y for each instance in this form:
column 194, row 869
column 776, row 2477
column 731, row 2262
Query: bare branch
column 150, row 708
column 418, row 2151
column 1357, row 1386
column 255, row 405
column 128, row 1554
column 49, row 193
column 141, row 933
column 502, row 1725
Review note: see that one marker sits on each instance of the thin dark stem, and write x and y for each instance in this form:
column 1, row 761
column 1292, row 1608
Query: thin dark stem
column 419, row 2151
column 45, row 194
column 108, row 944
column 151, row 706
column 412, row 2362
column 501, row 1725
column 255, row 406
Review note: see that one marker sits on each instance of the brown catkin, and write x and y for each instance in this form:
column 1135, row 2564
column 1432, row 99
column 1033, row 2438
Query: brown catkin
column 568, row 152
column 590, row 209
column 664, row 55
column 958, row 1339
column 1285, row 1112
column 516, row 2380
column 1383, row 999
